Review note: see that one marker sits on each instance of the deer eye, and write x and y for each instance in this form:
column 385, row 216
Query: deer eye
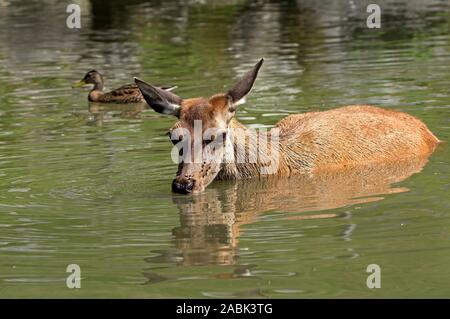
column 211, row 138
column 174, row 139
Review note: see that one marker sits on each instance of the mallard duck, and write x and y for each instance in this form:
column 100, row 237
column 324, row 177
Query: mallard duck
column 128, row 93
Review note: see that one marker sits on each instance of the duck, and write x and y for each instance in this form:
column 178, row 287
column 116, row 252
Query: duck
column 128, row 93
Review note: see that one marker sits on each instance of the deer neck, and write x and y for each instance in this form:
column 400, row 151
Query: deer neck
column 254, row 153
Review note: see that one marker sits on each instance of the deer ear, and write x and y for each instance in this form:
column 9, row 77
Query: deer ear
column 244, row 85
column 160, row 100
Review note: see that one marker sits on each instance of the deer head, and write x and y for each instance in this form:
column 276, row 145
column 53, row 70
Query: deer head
column 202, row 133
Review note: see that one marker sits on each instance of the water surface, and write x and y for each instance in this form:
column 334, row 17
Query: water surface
column 90, row 184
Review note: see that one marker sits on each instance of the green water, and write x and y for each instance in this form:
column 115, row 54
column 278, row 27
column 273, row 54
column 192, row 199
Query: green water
column 90, row 185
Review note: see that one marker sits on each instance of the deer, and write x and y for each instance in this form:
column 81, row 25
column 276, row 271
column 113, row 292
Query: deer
column 338, row 139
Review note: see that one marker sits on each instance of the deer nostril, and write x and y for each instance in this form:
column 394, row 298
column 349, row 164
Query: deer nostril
column 182, row 187
column 177, row 187
column 189, row 186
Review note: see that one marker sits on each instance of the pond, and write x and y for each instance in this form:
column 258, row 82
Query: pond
column 89, row 184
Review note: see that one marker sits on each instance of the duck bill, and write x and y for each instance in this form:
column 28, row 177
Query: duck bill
column 79, row 84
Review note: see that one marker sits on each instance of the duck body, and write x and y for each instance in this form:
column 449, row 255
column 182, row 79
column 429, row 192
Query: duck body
column 125, row 94
column 128, row 93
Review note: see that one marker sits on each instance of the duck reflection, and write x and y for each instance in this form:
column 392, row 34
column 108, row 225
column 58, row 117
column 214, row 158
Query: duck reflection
column 211, row 222
column 101, row 112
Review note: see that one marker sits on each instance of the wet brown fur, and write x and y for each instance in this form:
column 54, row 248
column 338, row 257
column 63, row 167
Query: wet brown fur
column 203, row 109
column 351, row 135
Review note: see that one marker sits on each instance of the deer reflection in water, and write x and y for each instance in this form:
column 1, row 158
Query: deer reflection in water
column 211, row 223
